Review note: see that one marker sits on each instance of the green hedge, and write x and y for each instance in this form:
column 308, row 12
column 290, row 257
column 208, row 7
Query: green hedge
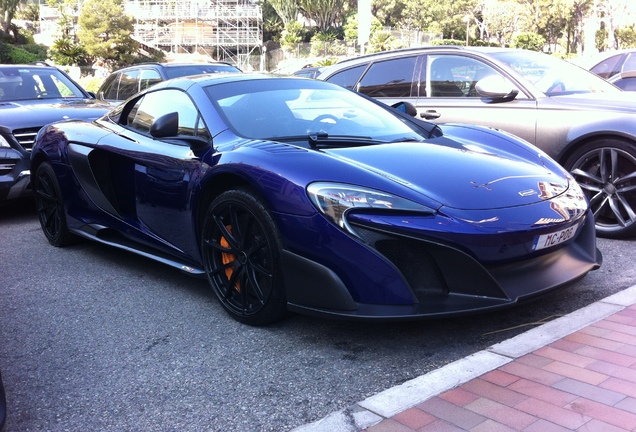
column 17, row 54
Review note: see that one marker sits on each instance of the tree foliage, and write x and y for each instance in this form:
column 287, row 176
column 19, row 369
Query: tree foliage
column 105, row 32
column 8, row 9
column 350, row 27
column 69, row 52
column 29, row 12
column 529, row 41
column 388, row 12
column 324, row 13
column 501, row 19
column 292, row 35
column 626, row 37
column 287, row 10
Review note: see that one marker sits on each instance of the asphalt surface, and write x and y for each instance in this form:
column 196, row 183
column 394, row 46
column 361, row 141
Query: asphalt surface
column 92, row 338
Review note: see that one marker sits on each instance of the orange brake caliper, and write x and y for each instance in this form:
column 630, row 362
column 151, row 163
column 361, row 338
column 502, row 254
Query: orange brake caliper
column 227, row 258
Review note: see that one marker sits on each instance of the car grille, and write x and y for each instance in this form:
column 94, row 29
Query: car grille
column 412, row 259
column 6, row 166
column 26, row 137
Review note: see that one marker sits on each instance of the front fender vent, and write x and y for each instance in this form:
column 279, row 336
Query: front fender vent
column 412, row 259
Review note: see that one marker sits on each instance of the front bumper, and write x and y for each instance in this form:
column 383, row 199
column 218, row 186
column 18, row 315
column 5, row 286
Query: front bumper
column 15, row 178
column 428, row 278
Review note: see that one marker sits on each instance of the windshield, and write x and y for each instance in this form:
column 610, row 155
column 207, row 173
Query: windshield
column 25, row 83
column 295, row 108
column 203, row 68
column 552, row 75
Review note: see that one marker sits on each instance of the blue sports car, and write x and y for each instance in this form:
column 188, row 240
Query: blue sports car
column 292, row 194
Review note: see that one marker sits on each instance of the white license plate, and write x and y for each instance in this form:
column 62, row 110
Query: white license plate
column 547, row 240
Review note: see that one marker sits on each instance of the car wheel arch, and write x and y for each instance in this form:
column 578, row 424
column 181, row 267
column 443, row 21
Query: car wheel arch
column 37, row 160
column 213, row 187
column 573, row 146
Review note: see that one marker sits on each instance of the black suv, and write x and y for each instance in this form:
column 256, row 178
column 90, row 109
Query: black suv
column 32, row 96
column 123, row 83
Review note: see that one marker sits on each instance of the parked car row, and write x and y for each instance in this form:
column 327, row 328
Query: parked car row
column 267, row 185
column 123, row 83
column 32, row 96
column 576, row 117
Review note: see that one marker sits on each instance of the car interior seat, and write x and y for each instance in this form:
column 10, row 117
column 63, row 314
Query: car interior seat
column 26, row 89
column 479, row 75
column 266, row 117
column 442, row 80
column 6, row 91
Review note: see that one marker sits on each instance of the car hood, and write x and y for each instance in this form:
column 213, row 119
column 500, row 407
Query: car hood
column 24, row 114
column 461, row 174
column 620, row 102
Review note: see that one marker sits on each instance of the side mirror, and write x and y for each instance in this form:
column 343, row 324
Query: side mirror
column 165, row 126
column 406, row 107
column 496, row 88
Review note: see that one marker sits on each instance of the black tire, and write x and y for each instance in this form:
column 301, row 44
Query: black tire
column 241, row 252
column 606, row 170
column 50, row 207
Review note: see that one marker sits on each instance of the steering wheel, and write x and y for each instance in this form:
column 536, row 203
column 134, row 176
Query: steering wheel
column 324, row 121
column 557, row 83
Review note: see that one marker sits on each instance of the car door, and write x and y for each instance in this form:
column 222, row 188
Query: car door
column 448, row 95
column 152, row 179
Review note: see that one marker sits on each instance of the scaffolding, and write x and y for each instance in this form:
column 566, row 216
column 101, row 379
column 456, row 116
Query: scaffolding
column 227, row 30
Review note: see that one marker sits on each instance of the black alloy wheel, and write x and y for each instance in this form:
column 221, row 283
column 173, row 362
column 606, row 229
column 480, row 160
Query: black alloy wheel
column 50, row 206
column 606, row 171
column 241, row 254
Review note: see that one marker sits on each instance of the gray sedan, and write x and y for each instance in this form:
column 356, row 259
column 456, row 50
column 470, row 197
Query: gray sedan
column 581, row 120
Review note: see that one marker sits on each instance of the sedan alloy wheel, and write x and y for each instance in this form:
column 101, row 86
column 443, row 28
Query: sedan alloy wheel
column 606, row 171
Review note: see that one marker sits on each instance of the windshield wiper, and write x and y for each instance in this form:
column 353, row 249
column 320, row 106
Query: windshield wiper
column 407, row 139
column 323, row 139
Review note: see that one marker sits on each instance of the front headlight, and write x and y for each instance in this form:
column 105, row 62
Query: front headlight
column 335, row 200
column 4, row 143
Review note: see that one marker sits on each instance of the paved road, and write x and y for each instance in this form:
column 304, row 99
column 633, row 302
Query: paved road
column 92, row 338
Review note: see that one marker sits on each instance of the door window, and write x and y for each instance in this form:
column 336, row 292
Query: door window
column 110, row 86
column 455, row 76
column 390, row 78
column 627, row 84
column 153, row 105
column 608, row 67
column 128, row 84
column 347, row 78
column 630, row 63
column 148, row 77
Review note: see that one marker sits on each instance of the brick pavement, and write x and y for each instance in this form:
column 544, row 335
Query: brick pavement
column 576, row 373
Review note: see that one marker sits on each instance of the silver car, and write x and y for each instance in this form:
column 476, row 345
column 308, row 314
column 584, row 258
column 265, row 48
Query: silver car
column 578, row 118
